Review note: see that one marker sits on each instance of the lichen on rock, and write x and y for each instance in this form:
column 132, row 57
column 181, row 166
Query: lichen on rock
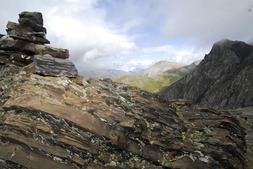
column 60, row 121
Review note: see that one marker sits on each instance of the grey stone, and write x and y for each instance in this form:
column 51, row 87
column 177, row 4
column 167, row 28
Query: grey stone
column 55, row 52
column 50, row 66
column 30, row 28
column 10, row 44
column 36, row 17
column 222, row 80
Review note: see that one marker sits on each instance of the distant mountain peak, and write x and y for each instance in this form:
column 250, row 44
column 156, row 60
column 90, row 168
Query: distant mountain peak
column 222, row 80
column 161, row 67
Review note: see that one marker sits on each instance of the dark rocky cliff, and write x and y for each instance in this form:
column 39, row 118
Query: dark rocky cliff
column 222, row 80
column 50, row 117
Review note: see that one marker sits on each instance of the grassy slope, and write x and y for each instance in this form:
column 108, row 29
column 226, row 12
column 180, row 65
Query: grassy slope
column 149, row 84
column 155, row 84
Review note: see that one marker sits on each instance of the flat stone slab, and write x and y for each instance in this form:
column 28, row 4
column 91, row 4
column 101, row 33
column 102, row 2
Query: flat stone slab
column 50, row 66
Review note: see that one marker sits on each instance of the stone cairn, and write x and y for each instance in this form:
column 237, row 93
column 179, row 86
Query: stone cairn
column 24, row 45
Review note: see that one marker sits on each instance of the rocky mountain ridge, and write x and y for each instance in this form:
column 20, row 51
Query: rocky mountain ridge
column 51, row 117
column 222, row 80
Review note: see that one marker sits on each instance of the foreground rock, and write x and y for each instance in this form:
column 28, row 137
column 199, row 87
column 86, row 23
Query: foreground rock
column 246, row 117
column 52, row 118
column 76, row 123
column 222, row 80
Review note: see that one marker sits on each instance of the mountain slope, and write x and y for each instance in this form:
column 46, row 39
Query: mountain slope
column 158, row 76
column 104, row 73
column 222, row 80
column 51, row 117
column 159, row 68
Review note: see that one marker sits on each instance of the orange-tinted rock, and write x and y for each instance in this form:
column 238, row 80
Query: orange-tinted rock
column 102, row 124
column 62, row 120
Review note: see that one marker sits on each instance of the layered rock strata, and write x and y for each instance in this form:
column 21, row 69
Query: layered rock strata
column 26, row 39
column 222, row 80
column 79, row 123
column 53, row 120
column 30, row 28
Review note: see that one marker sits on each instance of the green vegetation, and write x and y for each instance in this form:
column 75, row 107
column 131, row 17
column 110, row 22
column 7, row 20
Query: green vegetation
column 149, row 84
column 155, row 85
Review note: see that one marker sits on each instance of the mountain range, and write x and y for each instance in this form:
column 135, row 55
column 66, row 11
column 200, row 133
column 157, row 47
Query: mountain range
column 222, row 80
column 52, row 117
column 159, row 75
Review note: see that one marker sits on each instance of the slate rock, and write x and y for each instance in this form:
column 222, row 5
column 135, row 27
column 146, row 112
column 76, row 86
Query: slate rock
column 35, row 17
column 33, row 20
column 30, row 28
column 10, row 44
column 25, row 22
column 55, row 52
column 50, row 117
column 50, row 66
column 103, row 124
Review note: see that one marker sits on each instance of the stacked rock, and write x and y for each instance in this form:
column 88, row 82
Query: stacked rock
column 25, row 44
column 30, row 28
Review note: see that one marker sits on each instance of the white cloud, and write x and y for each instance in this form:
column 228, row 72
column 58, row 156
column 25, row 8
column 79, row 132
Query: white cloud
column 205, row 22
column 172, row 53
column 128, row 33
column 87, row 35
column 134, row 64
column 71, row 0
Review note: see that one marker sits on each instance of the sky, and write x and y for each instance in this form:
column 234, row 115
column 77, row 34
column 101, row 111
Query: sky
column 131, row 34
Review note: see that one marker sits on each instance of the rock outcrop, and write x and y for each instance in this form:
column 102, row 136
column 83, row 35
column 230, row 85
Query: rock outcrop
column 61, row 121
column 26, row 39
column 222, row 80
column 78, row 123
column 30, row 28
column 246, row 117
column 50, row 66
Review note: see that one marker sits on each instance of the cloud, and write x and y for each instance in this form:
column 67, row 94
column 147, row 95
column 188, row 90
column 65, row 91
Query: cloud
column 81, row 27
column 128, row 33
column 204, row 22
column 174, row 54
column 88, row 36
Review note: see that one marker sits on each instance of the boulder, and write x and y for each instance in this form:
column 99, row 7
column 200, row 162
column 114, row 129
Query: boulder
column 50, row 66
